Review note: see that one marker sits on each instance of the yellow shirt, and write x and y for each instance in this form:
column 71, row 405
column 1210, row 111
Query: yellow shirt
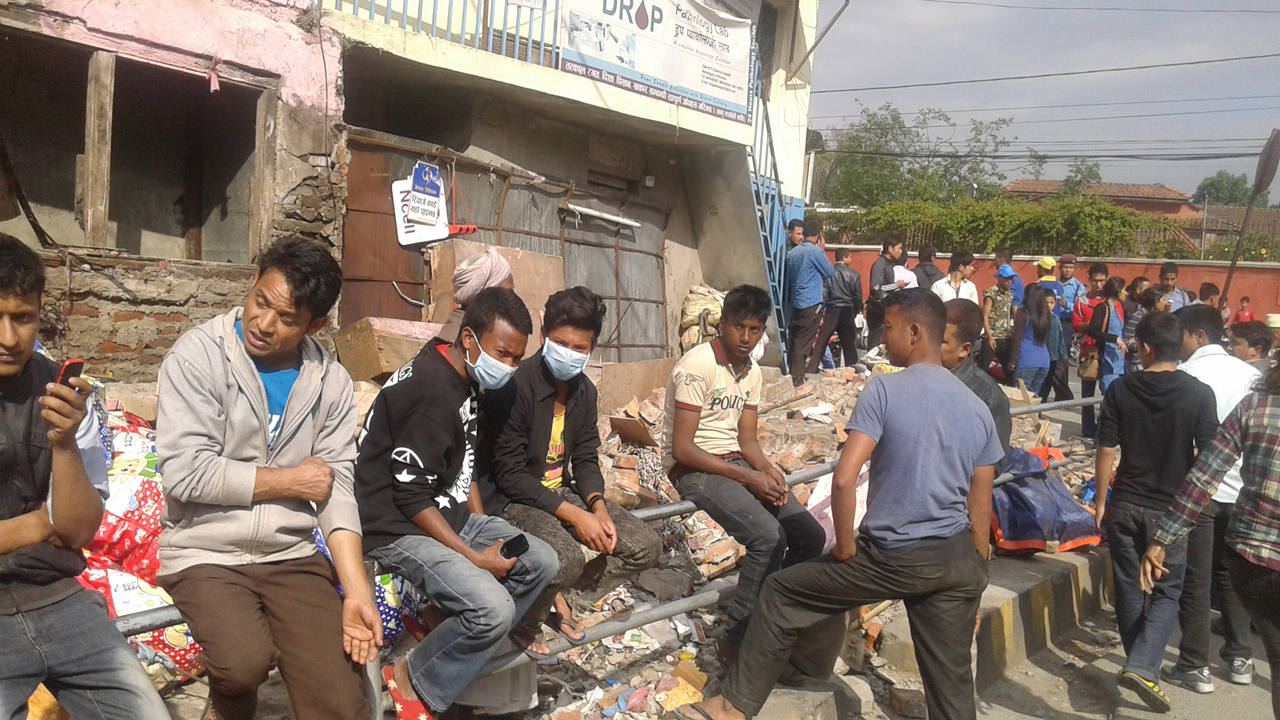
column 554, row 476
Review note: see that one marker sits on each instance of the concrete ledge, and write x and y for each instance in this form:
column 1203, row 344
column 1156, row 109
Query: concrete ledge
column 1029, row 602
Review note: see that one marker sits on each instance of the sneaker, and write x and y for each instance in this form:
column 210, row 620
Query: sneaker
column 1149, row 692
column 1240, row 671
column 1197, row 680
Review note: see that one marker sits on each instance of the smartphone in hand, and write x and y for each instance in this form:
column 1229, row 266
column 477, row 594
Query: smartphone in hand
column 515, row 547
column 70, row 369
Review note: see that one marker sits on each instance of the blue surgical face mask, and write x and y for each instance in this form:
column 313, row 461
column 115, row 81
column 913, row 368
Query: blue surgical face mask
column 489, row 372
column 564, row 364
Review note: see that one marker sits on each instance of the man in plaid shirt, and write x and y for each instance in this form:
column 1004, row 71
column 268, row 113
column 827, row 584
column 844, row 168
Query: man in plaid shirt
column 1251, row 431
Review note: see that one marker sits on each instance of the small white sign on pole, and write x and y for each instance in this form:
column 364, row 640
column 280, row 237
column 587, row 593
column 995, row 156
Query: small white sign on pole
column 413, row 234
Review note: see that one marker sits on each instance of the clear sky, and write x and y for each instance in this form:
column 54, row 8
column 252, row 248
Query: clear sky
column 890, row 42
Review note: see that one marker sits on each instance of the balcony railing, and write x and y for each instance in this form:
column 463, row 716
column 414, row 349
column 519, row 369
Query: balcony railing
column 525, row 30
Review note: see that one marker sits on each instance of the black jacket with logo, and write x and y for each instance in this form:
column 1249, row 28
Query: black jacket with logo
column 516, row 432
column 844, row 289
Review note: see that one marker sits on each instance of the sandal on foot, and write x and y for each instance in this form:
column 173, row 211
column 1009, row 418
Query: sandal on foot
column 562, row 623
column 405, row 709
column 524, row 635
column 702, row 714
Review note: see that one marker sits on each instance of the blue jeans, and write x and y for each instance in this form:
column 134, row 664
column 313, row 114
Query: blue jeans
column 74, row 649
column 1033, row 378
column 1145, row 622
column 481, row 608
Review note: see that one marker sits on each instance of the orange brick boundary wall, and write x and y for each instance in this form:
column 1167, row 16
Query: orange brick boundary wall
column 1259, row 281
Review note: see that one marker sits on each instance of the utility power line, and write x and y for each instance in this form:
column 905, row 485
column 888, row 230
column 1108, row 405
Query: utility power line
column 1165, row 157
column 1105, row 8
column 1104, row 117
column 1036, row 76
column 1070, row 105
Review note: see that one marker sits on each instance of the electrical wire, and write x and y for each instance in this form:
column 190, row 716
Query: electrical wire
column 1036, row 76
column 1108, row 117
column 1226, row 11
column 1068, row 105
column 1164, row 157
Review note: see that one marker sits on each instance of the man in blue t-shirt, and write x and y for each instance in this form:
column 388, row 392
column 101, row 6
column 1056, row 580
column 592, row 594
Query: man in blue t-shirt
column 924, row 538
column 807, row 267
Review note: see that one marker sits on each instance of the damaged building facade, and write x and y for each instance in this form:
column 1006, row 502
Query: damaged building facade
column 635, row 147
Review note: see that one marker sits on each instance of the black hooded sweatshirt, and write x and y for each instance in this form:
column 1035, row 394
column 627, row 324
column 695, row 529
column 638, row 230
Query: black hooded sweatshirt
column 1158, row 420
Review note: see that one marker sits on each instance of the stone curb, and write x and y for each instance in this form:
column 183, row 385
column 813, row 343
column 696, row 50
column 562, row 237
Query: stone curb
column 1029, row 602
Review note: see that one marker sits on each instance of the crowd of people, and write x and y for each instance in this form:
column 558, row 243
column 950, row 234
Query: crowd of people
column 476, row 477
column 1192, row 510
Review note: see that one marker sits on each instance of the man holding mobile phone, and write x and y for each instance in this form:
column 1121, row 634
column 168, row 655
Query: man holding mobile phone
column 415, row 487
column 52, row 472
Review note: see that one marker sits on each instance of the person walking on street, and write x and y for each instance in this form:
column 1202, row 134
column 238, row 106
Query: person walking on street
column 924, row 539
column 842, row 304
column 1046, row 280
column 1245, row 313
column 997, row 321
column 807, row 269
column 1058, row 382
column 957, row 283
column 926, row 272
column 1250, row 434
column 1134, row 309
column 1088, row 370
column 881, row 283
column 1158, row 418
column 1231, row 379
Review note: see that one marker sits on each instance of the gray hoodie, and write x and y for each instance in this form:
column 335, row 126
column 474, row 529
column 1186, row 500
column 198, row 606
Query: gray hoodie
column 211, row 438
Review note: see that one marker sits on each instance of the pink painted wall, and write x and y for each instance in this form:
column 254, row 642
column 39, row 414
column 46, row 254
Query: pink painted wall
column 1259, row 281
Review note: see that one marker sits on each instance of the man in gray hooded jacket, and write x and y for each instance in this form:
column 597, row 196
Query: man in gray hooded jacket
column 256, row 442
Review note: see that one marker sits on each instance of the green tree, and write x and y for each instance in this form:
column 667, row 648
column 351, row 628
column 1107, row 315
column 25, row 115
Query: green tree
column 882, row 157
column 1079, row 174
column 1223, row 188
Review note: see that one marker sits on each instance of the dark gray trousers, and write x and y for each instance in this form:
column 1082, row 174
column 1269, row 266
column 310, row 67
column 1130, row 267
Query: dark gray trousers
column 1206, row 567
column 802, row 607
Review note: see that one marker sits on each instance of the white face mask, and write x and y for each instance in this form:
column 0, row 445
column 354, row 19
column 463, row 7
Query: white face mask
column 489, row 372
column 564, row 364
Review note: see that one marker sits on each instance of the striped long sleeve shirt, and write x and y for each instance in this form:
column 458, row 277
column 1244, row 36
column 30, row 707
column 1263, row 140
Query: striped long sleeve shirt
column 1251, row 431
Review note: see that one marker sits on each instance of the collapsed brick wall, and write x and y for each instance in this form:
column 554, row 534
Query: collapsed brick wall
column 122, row 315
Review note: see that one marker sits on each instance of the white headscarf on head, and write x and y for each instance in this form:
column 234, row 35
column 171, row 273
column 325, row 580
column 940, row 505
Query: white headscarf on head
column 486, row 270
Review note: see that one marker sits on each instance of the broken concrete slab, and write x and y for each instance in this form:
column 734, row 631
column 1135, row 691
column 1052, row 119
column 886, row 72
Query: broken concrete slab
column 787, row 704
column 373, row 348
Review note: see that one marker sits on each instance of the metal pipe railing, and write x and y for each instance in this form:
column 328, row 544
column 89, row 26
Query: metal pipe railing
column 684, row 507
column 1059, row 405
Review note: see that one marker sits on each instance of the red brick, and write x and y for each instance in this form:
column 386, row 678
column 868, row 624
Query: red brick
column 126, row 316
column 169, row 317
column 84, row 310
column 168, row 330
column 110, row 347
column 159, row 343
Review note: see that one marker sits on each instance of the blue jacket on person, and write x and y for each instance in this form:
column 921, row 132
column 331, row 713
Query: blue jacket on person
column 807, row 267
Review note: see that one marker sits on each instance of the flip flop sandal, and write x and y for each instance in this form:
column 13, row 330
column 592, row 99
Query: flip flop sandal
column 405, row 709
column 702, row 714
column 562, row 623
column 526, row 635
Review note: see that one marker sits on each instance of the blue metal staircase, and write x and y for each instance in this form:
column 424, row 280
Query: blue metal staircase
column 771, row 208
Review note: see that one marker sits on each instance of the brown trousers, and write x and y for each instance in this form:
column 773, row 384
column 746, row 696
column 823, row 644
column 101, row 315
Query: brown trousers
column 247, row 618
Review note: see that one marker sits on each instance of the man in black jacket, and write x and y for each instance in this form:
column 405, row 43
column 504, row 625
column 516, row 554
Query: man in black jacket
column 1159, row 418
column 52, row 469
column 925, row 271
column 414, row 485
column 841, row 305
column 540, row 433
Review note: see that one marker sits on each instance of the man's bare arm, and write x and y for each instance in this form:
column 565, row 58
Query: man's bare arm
column 980, row 508
column 75, row 502
column 844, row 492
column 22, row 531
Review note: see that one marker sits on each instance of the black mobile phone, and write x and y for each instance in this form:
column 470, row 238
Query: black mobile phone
column 515, row 547
column 70, row 369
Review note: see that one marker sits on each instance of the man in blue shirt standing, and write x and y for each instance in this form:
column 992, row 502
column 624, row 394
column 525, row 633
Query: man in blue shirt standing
column 1004, row 256
column 807, row 267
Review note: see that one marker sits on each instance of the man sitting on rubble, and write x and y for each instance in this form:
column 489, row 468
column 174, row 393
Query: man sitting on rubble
column 964, row 331
column 414, row 486
column 539, row 432
column 713, row 458
column 924, row 539
column 256, row 440
column 52, row 630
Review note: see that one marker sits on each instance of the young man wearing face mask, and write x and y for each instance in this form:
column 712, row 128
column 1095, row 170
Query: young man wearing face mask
column 711, row 453
column 414, row 480
column 539, row 432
